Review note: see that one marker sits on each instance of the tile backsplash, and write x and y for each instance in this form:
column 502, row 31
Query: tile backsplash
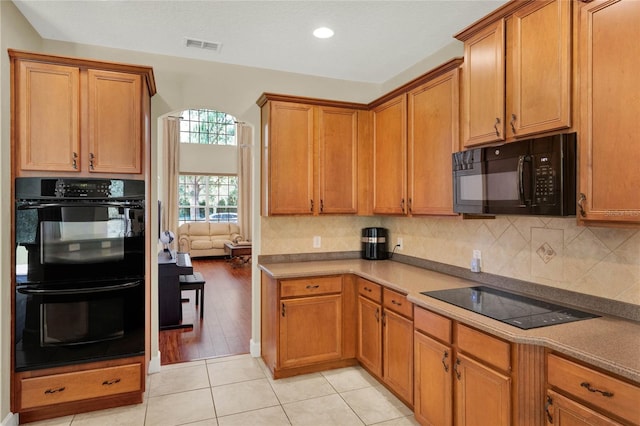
column 602, row 262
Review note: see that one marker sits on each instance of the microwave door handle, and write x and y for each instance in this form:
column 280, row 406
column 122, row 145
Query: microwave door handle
column 521, row 161
column 68, row 291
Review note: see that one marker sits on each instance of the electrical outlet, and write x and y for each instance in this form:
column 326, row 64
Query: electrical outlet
column 317, row 241
column 399, row 243
column 477, row 254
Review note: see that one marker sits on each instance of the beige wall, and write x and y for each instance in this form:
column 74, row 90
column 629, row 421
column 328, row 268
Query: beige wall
column 555, row 252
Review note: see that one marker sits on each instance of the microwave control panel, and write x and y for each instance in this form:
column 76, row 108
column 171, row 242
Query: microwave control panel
column 545, row 180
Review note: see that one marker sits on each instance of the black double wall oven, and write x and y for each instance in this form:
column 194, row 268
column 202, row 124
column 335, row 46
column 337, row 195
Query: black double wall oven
column 80, row 271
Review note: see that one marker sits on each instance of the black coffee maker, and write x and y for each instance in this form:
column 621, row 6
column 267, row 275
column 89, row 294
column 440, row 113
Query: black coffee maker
column 374, row 243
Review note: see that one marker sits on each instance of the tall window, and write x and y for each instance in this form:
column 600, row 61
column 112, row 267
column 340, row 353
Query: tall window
column 207, row 127
column 207, row 198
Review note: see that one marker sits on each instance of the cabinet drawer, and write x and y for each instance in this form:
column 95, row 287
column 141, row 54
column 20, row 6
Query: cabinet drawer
column 310, row 286
column 370, row 290
column 397, row 302
column 433, row 324
column 600, row 390
column 67, row 387
column 484, row 347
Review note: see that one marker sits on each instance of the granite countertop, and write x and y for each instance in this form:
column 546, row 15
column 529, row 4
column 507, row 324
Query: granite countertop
column 607, row 342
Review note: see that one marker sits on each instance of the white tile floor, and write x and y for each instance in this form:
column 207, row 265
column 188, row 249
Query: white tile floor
column 238, row 391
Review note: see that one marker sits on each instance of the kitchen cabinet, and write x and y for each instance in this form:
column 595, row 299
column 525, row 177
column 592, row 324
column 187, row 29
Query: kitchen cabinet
column 309, row 156
column 79, row 116
column 385, row 337
column 415, row 131
column 390, row 156
column 433, row 122
column 609, row 110
column 483, row 87
column 580, row 395
column 303, row 324
column 55, row 392
column 469, row 375
column 528, row 46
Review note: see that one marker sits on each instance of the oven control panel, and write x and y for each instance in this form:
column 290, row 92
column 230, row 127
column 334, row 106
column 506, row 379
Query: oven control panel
column 30, row 188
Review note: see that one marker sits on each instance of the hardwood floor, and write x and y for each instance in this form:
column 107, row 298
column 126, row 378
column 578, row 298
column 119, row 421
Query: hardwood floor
column 226, row 326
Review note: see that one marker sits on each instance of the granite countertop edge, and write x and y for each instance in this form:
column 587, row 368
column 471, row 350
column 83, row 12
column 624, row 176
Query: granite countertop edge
column 609, row 342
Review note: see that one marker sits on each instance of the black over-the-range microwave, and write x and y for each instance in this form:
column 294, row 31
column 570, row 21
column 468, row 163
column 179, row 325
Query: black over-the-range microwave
column 529, row 177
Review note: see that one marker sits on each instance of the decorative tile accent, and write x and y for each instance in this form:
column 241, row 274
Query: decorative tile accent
column 546, row 252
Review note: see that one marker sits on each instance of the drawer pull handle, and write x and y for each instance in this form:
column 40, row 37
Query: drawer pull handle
column 312, row 287
column 367, row 289
column 377, row 314
column 50, row 391
column 396, row 303
column 444, row 358
column 588, row 387
column 110, row 382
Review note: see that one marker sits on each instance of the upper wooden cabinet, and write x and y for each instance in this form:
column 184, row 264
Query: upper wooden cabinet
column 433, row 117
column 528, row 46
column 390, row 156
column 483, row 119
column 79, row 116
column 539, row 68
column 309, row 156
column 608, row 55
column 415, row 131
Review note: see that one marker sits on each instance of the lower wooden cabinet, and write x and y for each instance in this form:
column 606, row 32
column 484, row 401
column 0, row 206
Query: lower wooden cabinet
column 385, row 337
column 563, row 411
column 310, row 330
column 580, row 395
column 304, row 324
column 42, row 394
column 462, row 379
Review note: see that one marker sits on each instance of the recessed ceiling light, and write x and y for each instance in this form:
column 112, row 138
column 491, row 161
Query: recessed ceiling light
column 323, row 32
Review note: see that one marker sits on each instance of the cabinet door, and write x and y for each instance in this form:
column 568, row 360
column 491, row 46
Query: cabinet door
column 483, row 72
column 289, row 147
column 482, row 395
column 390, row 157
column 539, row 74
column 338, row 160
column 561, row 411
column 432, row 138
column 48, row 117
column 370, row 335
column 114, row 122
column 433, row 383
column 397, row 344
column 310, row 330
column 609, row 111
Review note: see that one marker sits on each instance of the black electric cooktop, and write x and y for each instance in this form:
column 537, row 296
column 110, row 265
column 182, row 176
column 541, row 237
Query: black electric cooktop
column 520, row 311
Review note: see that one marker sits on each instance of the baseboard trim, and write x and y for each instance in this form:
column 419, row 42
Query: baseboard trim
column 11, row 420
column 254, row 348
column 154, row 364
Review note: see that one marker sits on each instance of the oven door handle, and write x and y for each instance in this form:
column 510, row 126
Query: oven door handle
column 68, row 291
column 27, row 205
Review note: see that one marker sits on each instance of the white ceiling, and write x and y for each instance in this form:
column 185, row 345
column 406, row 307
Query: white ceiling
column 374, row 40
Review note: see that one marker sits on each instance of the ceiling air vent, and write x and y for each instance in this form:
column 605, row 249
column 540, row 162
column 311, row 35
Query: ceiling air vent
column 201, row 44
